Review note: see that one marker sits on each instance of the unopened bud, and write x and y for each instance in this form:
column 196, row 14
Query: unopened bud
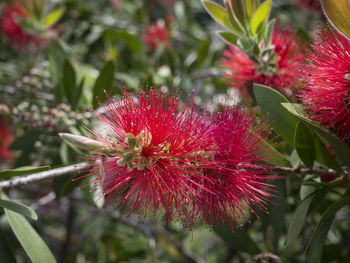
column 86, row 143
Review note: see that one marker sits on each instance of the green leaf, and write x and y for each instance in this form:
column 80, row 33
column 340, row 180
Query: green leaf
column 294, row 159
column 272, row 156
column 323, row 156
column 298, row 219
column 56, row 56
column 6, row 254
column 69, row 81
column 32, row 243
column 268, row 33
column 219, row 14
column 270, row 101
column 304, row 144
column 53, row 17
column 340, row 148
column 5, row 174
column 19, row 208
column 103, row 82
column 251, row 6
column 338, row 13
column 228, row 37
column 239, row 10
column 260, row 17
column 319, row 236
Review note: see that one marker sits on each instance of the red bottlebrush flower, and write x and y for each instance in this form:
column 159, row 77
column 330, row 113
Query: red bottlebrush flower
column 243, row 72
column 240, row 180
column 11, row 28
column 17, row 36
column 157, row 34
column 163, row 156
column 326, row 82
column 160, row 152
column 6, row 138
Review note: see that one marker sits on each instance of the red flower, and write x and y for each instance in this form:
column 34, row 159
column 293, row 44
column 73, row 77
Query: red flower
column 6, row 138
column 243, row 72
column 157, row 34
column 239, row 184
column 17, row 36
column 163, row 155
column 11, row 28
column 160, row 152
column 326, row 88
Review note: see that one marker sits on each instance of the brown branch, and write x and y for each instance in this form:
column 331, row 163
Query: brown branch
column 62, row 171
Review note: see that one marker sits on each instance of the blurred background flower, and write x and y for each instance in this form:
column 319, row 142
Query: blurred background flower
column 280, row 72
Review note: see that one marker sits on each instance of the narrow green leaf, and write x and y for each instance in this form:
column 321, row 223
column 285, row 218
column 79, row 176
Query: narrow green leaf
column 268, row 33
column 239, row 9
column 294, row 159
column 340, row 148
column 338, row 12
column 269, row 100
column 315, row 247
column 19, row 208
column 53, row 17
column 103, row 82
column 69, row 81
column 5, row 174
column 250, row 6
column 304, row 144
column 32, row 243
column 260, row 17
column 298, row 219
column 6, row 254
column 274, row 157
column 56, row 56
column 219, row 14
column 323, row 156
column 228, row 37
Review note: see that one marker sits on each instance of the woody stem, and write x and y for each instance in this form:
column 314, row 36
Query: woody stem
column 75, row 168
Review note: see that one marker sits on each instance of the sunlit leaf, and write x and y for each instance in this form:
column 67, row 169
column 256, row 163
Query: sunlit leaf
column 219, row 14
column 338, row 13
column 260, row 17
column 228, row 37
column 53, row 17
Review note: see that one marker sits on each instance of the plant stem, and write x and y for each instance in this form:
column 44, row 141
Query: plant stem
column 36, row 177
column 62, row 171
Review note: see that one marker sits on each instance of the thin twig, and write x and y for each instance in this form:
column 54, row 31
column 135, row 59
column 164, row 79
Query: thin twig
column 84, row 166
column 303, row 171
column 36, row 177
